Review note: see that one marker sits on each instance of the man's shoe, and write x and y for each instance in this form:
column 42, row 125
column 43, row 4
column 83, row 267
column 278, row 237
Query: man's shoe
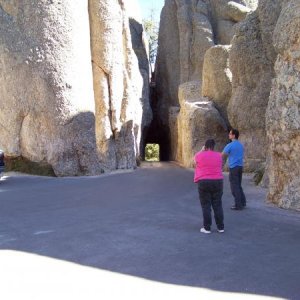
column 203, row 230
column 236, row 208
column 221, row 230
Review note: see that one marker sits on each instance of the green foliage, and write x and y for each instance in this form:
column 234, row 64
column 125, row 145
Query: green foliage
column 152, row 152
column 151, row 27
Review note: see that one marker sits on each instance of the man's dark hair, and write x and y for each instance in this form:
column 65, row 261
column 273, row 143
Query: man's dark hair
column 210, row 144
column 235, row 132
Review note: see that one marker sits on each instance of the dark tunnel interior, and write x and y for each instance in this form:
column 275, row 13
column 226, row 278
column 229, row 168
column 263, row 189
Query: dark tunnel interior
column 157, row 132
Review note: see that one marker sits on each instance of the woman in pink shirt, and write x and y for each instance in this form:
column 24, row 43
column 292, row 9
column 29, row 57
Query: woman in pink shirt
column 209, row 177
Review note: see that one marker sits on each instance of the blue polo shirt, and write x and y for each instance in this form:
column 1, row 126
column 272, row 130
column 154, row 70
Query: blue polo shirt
column 235, row 152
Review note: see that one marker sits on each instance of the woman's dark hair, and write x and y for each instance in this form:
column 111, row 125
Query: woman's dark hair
column 235, row 132
column 210, row 144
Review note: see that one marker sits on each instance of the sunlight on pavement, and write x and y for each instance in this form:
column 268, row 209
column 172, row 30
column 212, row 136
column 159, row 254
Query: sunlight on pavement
column 29, row 276
column 3, row 178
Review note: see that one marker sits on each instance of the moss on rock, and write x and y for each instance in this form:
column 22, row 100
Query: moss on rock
column 24, row 165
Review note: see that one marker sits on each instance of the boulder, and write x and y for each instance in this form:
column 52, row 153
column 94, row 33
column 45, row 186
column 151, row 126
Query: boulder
column 198, row 120
column 217, row 78
column 47, row 109
column 225, row 14
column 60, row 107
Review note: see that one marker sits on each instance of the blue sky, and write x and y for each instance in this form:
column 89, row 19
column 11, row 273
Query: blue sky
column 147, row 5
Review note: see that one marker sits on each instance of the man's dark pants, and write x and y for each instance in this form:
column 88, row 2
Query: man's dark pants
column 210, row 194
column 235, row 179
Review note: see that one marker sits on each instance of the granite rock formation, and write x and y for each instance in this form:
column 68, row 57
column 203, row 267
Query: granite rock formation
column 251, row 62
column 118, row 85
column 217, row 78
column 283, row 114
column 57, row 108
column 251, row 84
column 189, row 31
column 225, row 14
column 198, row 119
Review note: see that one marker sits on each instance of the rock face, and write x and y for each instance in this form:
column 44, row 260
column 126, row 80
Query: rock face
column 251, row 60
column 217, row 78
column 118, row 85
column 184, row 36
column 198, row 119
column 189, row 30
column 58, row 109
column 283, row 115
column 252, row 84
column 225, row 14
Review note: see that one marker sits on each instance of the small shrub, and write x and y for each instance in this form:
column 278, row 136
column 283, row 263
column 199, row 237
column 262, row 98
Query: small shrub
column 152, row 152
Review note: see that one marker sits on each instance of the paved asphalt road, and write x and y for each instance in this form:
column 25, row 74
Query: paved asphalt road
column 135, row 235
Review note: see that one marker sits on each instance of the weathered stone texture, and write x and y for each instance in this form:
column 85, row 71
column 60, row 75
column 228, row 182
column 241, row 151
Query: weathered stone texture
column 225, row 14
column 118, row 85
column 283, row 115
column 185, row 35
column 198, row 120
column 217, row 78
column 252, row 59
column 47, row 105
column 168, row 60
column 188, row 30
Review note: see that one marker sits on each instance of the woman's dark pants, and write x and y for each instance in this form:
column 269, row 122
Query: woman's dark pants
column 210, row 194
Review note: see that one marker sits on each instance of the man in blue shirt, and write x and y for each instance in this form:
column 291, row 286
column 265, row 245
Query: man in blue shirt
column 235, row 153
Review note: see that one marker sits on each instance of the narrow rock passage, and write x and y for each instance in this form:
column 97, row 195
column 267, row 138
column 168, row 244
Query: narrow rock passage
column 145, row 224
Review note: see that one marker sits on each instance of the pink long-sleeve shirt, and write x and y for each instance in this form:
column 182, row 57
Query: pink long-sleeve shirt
column 208, row 165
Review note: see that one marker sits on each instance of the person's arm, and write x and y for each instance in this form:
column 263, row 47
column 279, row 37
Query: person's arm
column 224, row 155
column 195, row 160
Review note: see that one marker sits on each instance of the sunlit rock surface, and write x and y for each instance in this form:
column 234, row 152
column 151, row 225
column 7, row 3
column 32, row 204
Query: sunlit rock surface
column 198, row 119
column 60, row 106
column 217, row 78
column 188, row 30
column 118, row 85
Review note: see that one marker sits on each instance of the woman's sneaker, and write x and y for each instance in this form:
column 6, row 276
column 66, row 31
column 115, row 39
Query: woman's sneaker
column 203, row 230
column 221, row 230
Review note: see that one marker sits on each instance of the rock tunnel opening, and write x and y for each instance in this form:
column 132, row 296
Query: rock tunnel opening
column 152, row 152
column 157, row 132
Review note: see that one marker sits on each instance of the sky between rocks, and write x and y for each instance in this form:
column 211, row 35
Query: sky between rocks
column 147, row 5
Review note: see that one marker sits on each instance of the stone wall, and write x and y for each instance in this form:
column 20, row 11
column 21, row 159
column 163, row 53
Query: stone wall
column 59, row 109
